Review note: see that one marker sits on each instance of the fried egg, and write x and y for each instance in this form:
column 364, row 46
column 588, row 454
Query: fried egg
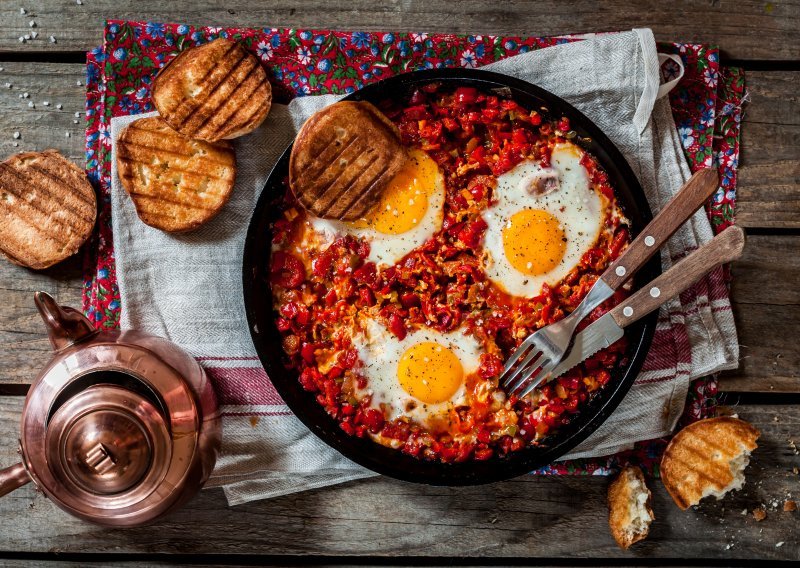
column 410, row 212
column 541, row 223
column 421, row 376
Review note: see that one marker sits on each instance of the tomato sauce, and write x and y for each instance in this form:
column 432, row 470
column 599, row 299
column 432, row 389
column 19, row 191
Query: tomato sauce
column 320, row 291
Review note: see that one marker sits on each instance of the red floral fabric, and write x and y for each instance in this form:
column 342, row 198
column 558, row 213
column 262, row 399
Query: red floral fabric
column 706, row 105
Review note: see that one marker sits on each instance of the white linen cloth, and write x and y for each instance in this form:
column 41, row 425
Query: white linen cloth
column 188, row 287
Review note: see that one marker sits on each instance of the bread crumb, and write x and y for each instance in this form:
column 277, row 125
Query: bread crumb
column 779, row 544
column 789, row 505
column 759, row 514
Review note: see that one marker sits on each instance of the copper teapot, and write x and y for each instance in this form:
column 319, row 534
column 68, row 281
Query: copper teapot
column 119, row 428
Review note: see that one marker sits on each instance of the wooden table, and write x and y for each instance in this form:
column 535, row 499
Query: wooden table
column 381, row 520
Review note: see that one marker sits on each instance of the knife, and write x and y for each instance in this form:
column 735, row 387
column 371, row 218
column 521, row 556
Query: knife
column 725, row 247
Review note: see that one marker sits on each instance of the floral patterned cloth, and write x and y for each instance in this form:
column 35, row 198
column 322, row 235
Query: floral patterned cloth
column 706, row 105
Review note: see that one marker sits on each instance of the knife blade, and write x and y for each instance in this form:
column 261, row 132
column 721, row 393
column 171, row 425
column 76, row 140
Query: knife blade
column 596, row 336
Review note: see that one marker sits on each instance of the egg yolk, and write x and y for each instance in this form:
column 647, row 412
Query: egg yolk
column 430, row 372
column 534, row 241
column 405, row 199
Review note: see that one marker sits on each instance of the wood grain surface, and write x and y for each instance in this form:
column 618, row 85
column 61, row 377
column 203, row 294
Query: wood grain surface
column 741, row 28
column 385, row 521
column 528, row 517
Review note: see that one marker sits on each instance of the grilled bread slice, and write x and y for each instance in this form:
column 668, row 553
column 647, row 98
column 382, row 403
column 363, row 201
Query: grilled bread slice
column 342, row 159
column 47, row 208
column 707, row 458
column 213, row 91
column 176, row 183
column 629, row 509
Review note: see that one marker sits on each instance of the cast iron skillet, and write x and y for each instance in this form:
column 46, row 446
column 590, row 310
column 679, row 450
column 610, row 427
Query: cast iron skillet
column 258, row 301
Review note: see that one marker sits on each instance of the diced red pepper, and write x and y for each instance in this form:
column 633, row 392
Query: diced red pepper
column 466, row 95
column 397, row 326
column 287, row 270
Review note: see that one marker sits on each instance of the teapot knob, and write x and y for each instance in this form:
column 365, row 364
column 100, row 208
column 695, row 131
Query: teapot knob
column 65, row 325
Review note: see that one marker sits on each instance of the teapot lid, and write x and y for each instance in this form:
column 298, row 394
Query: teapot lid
column 107, row 440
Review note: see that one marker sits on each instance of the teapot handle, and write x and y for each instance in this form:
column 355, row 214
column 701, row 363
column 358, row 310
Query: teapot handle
column 12, row 478
column 65, row 325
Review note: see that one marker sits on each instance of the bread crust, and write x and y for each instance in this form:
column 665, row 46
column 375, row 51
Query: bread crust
column 342, row 159
column 620, row 495
column 698, row 457
column 47, row 208
column 177, row 184
column 214, row 91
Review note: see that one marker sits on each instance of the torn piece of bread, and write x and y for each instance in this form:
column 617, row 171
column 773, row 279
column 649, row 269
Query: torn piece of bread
column 707, row 458
column 213, row 91
column 629, row 507
column 343, row 158
column 47, row 208
column 176, row 183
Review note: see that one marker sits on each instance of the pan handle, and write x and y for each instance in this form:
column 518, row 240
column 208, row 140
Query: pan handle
column 12, row 478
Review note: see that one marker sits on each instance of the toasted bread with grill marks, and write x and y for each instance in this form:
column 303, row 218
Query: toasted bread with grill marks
column 213, row 91
column 47, row 208
column 176, row 183
column 629, row 509
column 707, row 458
column 342, row 159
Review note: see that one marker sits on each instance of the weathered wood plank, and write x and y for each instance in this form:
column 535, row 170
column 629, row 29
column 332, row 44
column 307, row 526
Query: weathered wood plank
column 79, row 27
column 767, row 310
column 41, row 127
column 766, row 306
column 769, row 178
column 24, row 348
column 527, row 517
column 769, row 196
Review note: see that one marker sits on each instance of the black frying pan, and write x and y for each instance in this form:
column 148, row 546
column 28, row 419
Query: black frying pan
column 267, row 340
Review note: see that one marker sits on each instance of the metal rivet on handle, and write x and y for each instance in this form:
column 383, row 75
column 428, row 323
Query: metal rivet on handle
column 655, row 292
column 621, row 271
column 627, row 311
column 649, row 240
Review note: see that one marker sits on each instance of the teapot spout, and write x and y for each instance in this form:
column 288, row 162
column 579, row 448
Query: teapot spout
column 65, row 325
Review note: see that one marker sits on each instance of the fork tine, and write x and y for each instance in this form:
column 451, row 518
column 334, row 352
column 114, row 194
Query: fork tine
column 542, row 364
column 515, row 356
column 513, row 382
column 529, row 385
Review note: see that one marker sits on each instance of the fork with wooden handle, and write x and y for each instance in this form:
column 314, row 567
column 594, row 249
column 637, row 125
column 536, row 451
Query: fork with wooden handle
column 545, row 348
column 725, row 247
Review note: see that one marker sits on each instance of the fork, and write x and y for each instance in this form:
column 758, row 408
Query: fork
column 545, row 348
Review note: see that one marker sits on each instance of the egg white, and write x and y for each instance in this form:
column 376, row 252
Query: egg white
column 387, row 249
column 574, row 203
column 380, row 352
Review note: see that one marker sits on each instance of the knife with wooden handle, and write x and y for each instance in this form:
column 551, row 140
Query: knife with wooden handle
column 725, row 247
